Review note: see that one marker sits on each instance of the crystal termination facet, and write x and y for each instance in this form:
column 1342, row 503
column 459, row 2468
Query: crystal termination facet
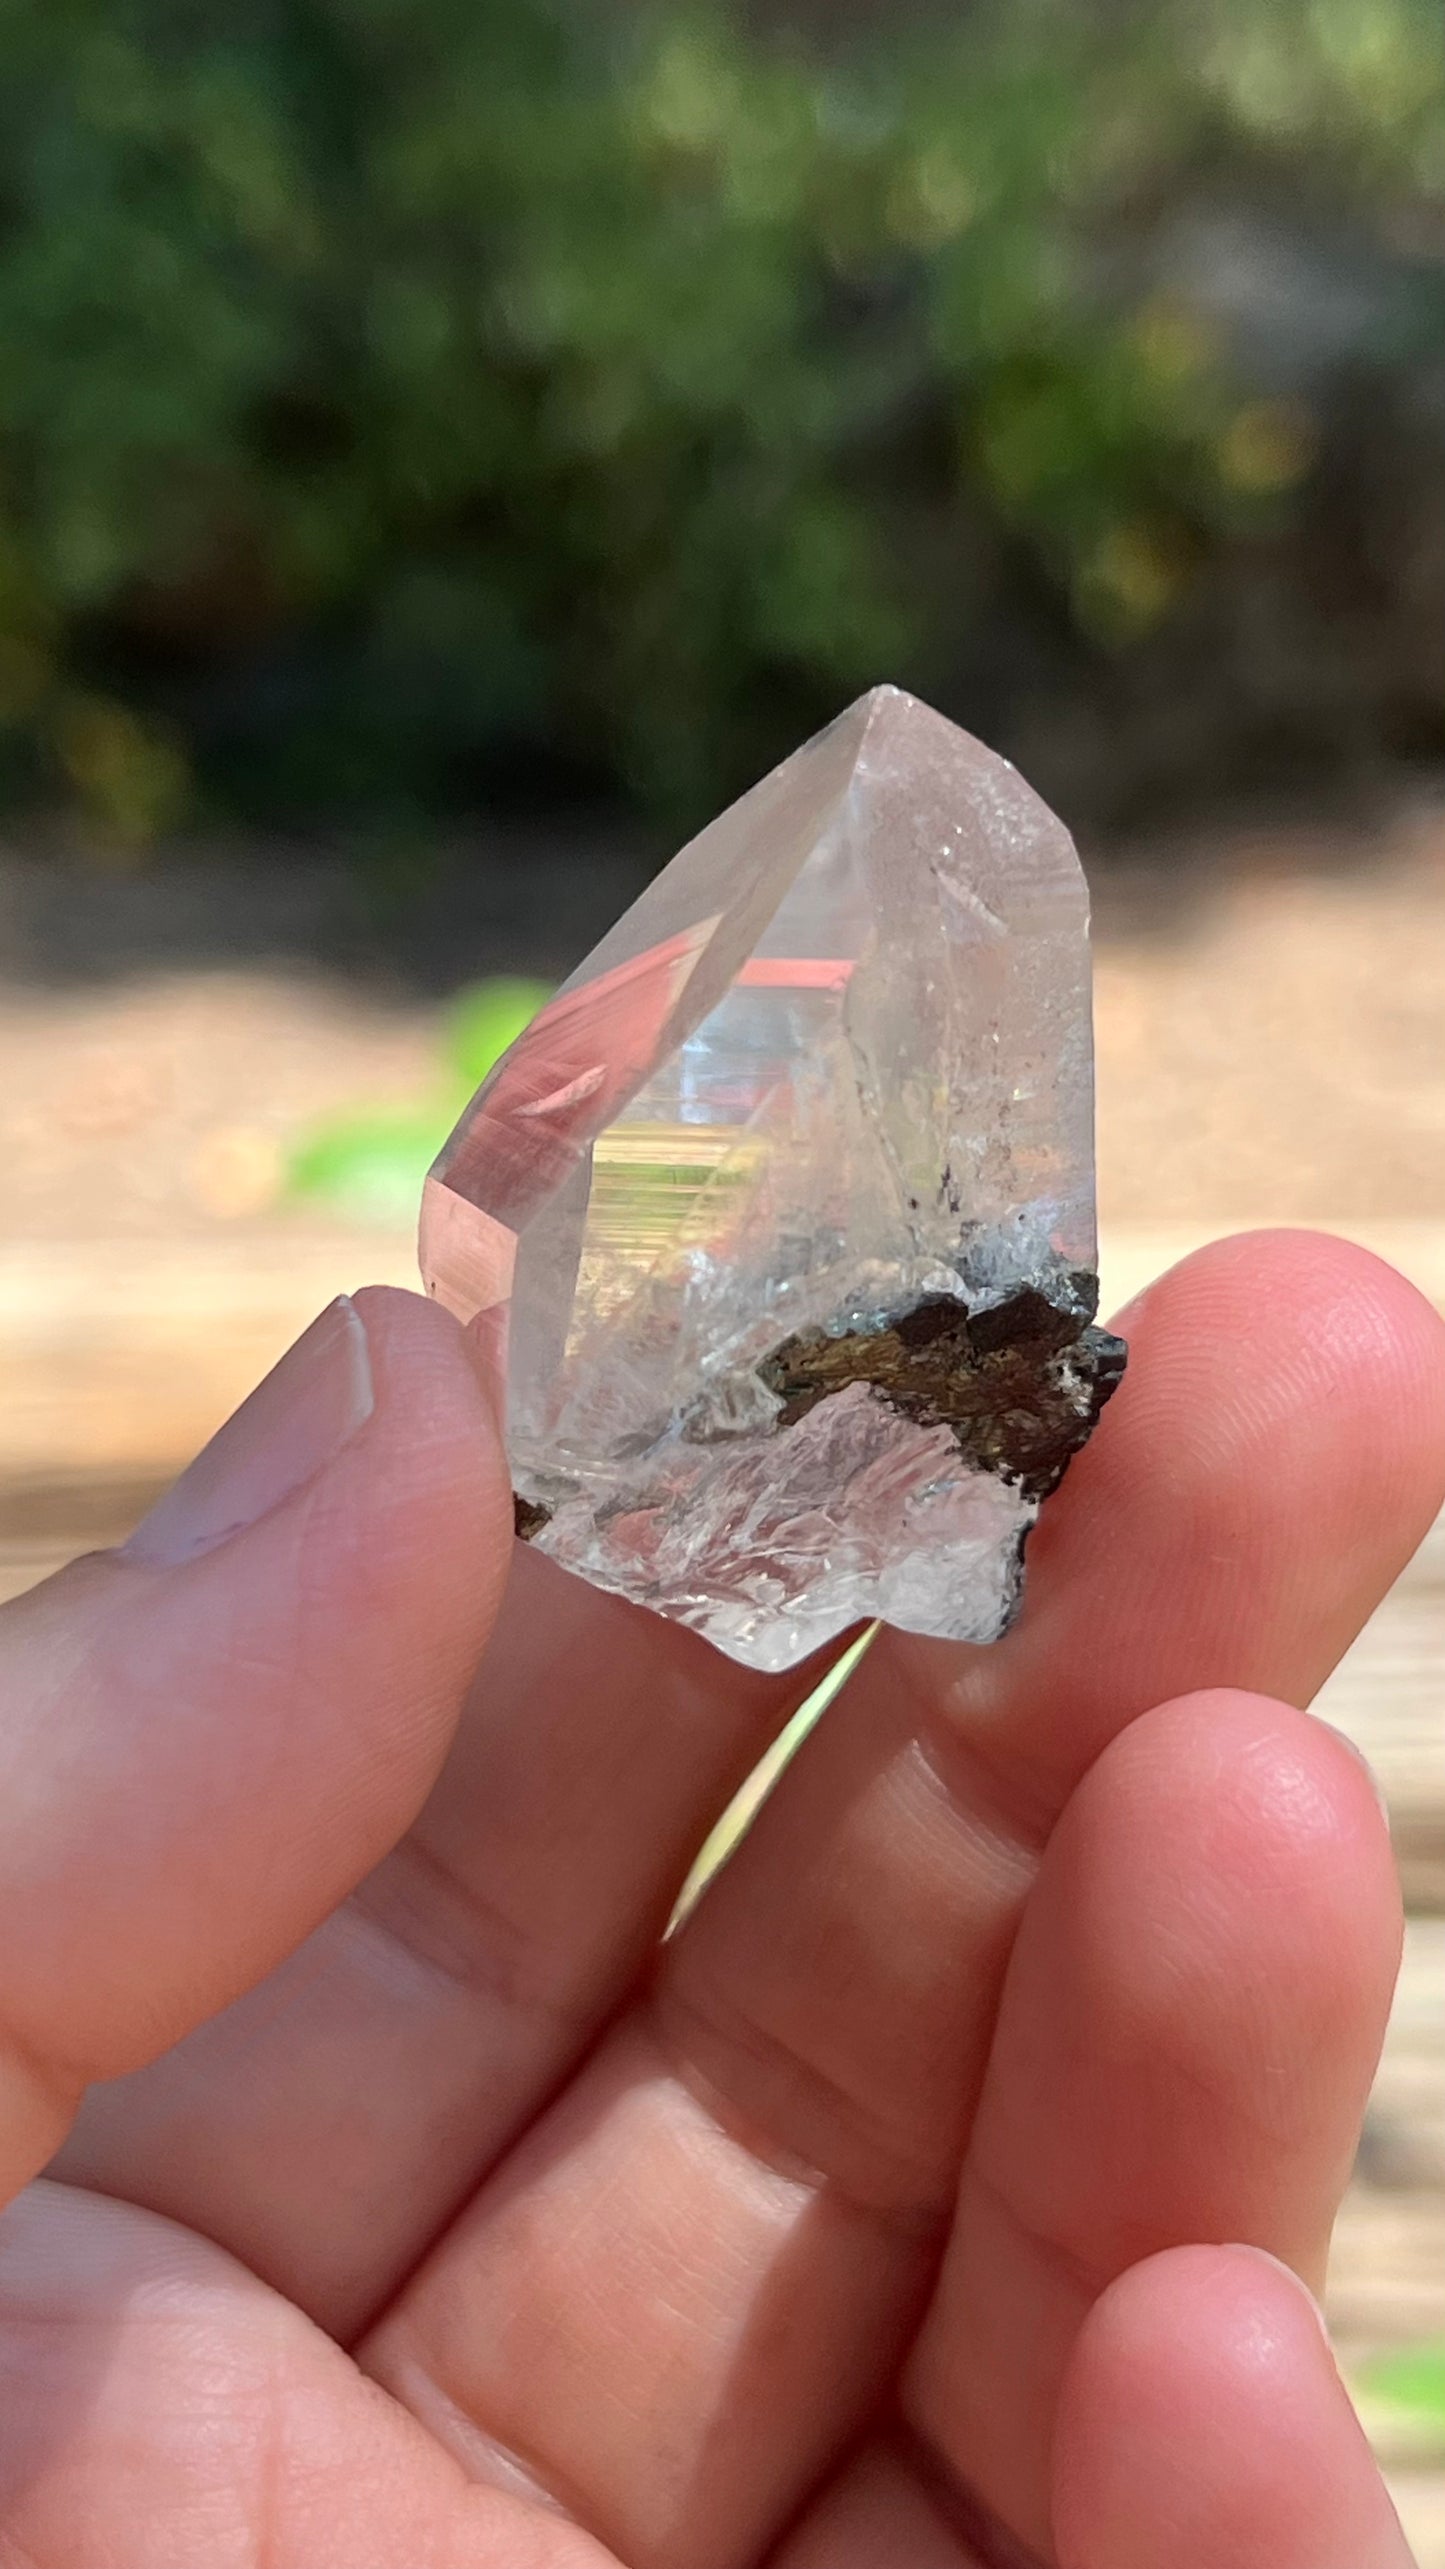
column 783, row 1208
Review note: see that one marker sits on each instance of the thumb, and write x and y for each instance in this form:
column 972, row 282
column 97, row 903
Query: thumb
column 207, row 1737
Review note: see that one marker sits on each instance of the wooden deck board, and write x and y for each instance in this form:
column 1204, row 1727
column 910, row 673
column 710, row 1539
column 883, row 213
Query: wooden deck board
column 1420, row 2498
column 1388, row 1693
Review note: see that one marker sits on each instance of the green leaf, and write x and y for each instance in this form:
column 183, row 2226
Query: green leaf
column 369, row 1168
column 485, row 1020
column 1410, row 2379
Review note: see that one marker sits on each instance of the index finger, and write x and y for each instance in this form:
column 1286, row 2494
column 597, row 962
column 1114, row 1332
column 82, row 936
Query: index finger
column 1276, row 1456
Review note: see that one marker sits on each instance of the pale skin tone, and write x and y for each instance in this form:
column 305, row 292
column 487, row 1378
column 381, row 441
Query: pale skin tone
column 939, row 2196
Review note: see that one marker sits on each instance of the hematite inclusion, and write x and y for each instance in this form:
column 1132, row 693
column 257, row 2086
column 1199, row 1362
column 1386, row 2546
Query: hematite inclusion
column 785, row 1203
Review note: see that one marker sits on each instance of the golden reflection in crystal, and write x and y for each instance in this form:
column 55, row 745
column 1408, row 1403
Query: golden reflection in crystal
column 659, row 1193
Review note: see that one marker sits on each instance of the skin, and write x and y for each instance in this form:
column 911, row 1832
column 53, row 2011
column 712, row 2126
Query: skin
column 943, row 2194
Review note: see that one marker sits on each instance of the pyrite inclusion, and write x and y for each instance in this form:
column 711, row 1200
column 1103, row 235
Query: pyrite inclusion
column 786, row 1206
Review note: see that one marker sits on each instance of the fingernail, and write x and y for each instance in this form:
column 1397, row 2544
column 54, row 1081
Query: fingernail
column 293, row 1423
column 1358, row 1754
column 1241, row 2248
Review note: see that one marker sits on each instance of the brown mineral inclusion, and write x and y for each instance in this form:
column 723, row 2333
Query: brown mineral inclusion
column 1019, row 1385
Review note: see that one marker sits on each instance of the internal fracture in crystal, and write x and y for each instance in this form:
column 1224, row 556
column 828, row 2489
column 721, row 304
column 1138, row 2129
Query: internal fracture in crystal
column 784, row 1207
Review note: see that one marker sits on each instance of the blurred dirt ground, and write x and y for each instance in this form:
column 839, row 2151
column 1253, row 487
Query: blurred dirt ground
column 1271, row 1043
column 1271, row 1022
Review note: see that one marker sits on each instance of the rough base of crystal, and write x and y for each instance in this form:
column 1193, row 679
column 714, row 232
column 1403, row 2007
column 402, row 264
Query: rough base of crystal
column 785, row 1204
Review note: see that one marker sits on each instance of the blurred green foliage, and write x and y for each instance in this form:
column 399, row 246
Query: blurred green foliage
column 1400, row 2395
column 398, row 394
column 369, row 1166
column 1410, row 2379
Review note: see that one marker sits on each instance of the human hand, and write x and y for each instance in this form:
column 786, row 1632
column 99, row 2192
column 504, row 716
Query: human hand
column 430, row 2213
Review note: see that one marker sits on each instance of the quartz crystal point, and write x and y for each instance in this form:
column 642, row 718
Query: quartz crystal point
column 784, row 1206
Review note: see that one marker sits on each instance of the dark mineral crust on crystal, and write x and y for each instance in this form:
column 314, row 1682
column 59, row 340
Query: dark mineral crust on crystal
column 1020, row 1384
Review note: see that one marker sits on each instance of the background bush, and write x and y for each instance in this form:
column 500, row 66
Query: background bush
column 407, row 401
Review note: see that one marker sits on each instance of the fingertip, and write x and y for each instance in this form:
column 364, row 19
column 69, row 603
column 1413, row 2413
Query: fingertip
column 444, row 1376
column 1273, row 1458
column 1201, row 2419
column 1198, row 1992
column 1232, row 2317
column 438, row 1426
column 401, row 1554
column 1318, row 1308
column 381, row 1372
column 1310, row 1266
column 1272, row 1801
column 1229, row 1863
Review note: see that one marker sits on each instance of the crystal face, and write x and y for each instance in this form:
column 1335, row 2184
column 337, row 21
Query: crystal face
column 785, row 1206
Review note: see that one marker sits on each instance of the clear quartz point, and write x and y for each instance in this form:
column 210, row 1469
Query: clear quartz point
column 784, row 1206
